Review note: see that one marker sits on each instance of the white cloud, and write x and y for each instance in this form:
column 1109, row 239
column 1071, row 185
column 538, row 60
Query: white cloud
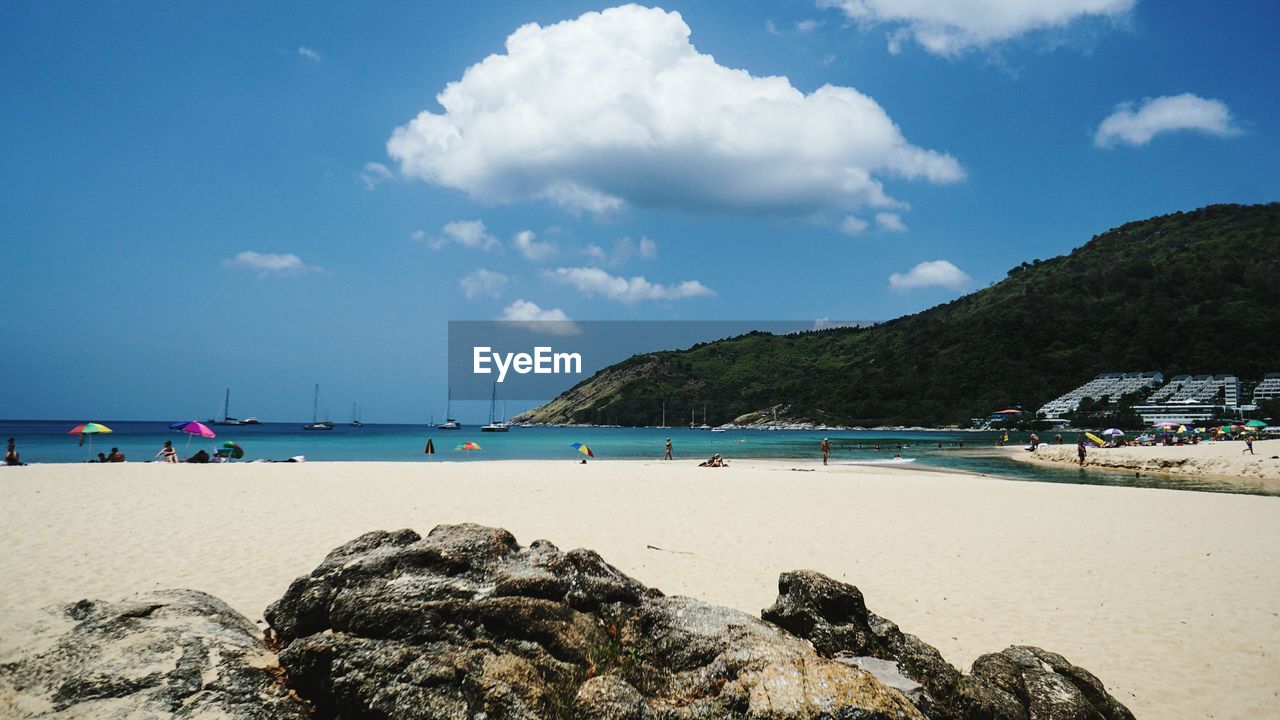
column 308, row 53
column 594, row 281
column 467, row 233
column 618, row 107
column 525, row 241
column 270, row 263
column 624, row 250
column 951, row 27
column 552, row 321
column 771, row 27
column 1164, row 114
column 890, row 221
column 374, row 174
column 935, row 273
column 852, row 225
column 807, row 26
column 483, row 283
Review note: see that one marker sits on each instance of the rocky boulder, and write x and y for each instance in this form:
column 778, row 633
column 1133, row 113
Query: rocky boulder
column 465, row 623
column 1019, row 683
column 166, row 654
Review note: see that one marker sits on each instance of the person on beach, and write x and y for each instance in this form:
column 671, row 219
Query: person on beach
column 201, row 457
column 167, row 453
column 1080, row 450
column 826, row 449
column 115, row 455
column 1057, row 439
column 1035, row 441
column 11, row 455
column 713, row 461
column 101, row 458
column 1248, row 445
column 666, row 453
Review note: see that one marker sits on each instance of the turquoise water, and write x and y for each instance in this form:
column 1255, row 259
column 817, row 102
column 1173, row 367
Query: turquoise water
column 47, row 442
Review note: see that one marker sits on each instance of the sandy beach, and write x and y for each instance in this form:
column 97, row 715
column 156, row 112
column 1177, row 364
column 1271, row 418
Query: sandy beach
column 1213, row 459
column 1172, row 598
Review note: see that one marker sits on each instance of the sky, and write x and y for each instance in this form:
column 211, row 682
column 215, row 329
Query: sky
column 264, row 196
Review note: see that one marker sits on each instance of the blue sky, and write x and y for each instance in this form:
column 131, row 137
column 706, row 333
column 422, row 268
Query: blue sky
column 203, row 195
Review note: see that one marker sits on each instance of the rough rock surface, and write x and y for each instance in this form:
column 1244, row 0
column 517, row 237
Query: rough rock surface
column 465, row 623
column 1019, row 683
column 166, row 654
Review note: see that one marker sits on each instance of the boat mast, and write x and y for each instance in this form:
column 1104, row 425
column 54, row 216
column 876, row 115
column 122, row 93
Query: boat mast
column 315, row 404
column 226, row 406
column 493, row 399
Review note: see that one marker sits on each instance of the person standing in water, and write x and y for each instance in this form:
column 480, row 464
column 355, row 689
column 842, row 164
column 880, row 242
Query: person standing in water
column 666, row 453
column 826, row 449
column 1080, row 450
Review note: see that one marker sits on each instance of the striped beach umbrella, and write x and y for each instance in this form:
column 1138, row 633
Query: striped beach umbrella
column 89, row 429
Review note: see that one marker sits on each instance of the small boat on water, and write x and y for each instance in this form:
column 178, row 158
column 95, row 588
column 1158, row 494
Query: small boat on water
column 449, row 423
column 226, row 419
column 315, row 406
column 355, row 416
column 499, row 425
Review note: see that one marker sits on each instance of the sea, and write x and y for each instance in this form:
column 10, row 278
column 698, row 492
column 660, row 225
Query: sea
column 47, row 441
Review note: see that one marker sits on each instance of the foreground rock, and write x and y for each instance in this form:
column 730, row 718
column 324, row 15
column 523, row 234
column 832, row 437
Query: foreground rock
column 168, row 654
column 465, row 623
column 1015, row 684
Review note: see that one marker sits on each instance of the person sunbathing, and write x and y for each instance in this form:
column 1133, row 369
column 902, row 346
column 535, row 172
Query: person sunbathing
column 713, row 461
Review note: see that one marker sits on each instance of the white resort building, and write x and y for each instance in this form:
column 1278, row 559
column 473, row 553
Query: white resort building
column 1107, row 385
column 1185, row 399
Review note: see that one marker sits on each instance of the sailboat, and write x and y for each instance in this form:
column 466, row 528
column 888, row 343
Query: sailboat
column 449, row 423
column 355, row 416
column 226, row 407
column 315, row 406
column 663, row 426
column 494, row 426
column 704, row 425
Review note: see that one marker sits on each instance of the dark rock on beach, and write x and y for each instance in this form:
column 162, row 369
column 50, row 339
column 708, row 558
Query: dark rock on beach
column 1019, row 683
column 166, row 654
column 466, row 623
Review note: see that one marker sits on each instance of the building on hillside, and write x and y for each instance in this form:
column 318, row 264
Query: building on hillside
column 1268, row 389
column 1113, row 385
column 1190, row 399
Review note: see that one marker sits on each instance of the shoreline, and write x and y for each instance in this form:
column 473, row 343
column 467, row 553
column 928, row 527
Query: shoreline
column 1219, row 461
column 1161, row 593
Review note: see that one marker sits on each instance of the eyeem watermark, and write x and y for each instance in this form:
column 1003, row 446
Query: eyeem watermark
column 508, row 360
column 543, row 361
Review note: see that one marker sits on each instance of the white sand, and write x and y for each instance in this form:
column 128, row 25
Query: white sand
column 1214, row 459
column 1172, row 598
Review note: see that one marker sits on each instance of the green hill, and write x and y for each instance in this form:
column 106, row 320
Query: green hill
column 1195, row 292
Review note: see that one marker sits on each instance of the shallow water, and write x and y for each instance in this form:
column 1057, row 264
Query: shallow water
column 47, row 441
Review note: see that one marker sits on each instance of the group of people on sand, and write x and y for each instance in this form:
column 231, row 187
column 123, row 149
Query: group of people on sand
column 113, row 457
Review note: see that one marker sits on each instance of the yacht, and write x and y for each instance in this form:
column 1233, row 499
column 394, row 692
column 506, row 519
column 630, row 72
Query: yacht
column 226, row 407
column 355, row 416
column 449, row 423
column 315, row 406
column 499, row 425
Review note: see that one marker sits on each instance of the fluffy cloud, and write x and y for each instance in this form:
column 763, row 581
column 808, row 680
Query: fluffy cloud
column 483, row 283
column 594, row 281
column 624, row 250
column 1164, row 114
column 952, row 27
column 308, row 54
column 552, row 321
column 935, row 273
column 374, row 174
column 270, row 263
column 525, row 310
column 852, row 225
column 618, row 107
column 525, row 241
column 467, row 233
column 890, row 221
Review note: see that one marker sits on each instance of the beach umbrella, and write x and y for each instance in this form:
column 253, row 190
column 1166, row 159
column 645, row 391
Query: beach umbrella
column 430, row 449
column 583, row 449
column 1008, row 411
column 237, row 452
column 1255, row 424
column 1145, row 438
column 1113, row 432
column 468, row 445
column 193, row 428
column 90, row 429
column 1181, row 429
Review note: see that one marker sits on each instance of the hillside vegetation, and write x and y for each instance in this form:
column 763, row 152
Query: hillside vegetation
column 1194, row 292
